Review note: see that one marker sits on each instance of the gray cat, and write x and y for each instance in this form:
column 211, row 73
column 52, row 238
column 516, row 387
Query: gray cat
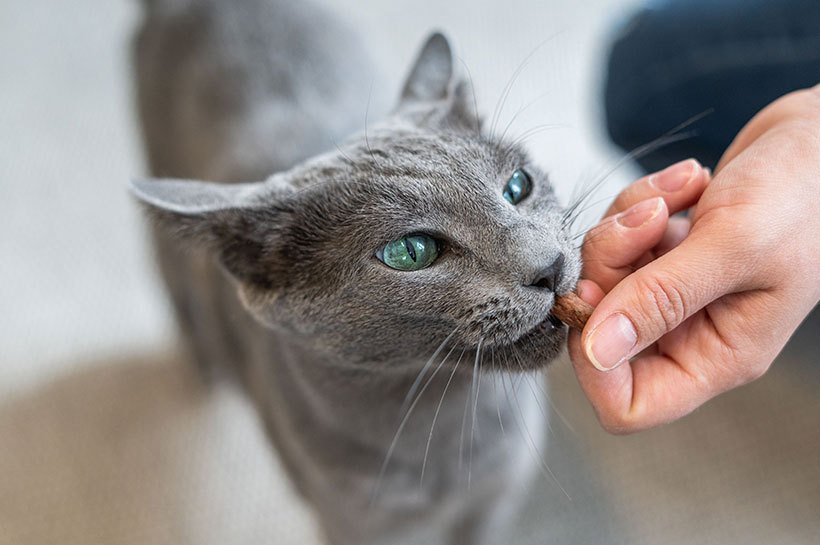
column 378, row 295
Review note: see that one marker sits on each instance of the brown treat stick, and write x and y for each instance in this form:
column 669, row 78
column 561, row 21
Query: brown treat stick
column 572, row 310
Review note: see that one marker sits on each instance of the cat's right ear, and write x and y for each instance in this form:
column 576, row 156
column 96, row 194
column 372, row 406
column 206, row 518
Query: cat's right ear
column 436, row 85
column 229, row 220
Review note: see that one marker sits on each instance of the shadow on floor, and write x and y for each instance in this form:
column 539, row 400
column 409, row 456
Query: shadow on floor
column 136, row 450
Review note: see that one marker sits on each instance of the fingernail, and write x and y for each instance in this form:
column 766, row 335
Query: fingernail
column 611, row 342
column 640, row 214
column 675, row 177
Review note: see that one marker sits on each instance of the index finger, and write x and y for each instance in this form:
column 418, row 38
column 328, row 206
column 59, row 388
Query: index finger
column 680, row 185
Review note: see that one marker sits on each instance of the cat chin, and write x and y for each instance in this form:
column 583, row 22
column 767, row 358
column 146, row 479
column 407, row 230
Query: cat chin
column 534, row 350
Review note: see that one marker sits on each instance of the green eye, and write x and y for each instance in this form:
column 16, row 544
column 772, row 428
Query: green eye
column 517, row 187
column 409, row 253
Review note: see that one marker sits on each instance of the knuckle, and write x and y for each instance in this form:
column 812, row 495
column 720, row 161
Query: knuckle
column 619, row 428
column 624, row 199
column 703, row 376
column 753, row 372
column 612, row 426
column 617, row 424
column 664, row 302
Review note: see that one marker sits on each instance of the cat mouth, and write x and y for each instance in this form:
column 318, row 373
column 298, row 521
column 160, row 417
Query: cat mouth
column 548, row 326
column 554, row 321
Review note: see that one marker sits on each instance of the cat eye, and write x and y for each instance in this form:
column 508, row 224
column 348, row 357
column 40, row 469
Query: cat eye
column 409, row 253
column 517, row 187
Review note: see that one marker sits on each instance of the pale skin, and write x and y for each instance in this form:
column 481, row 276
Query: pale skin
column 700, row 305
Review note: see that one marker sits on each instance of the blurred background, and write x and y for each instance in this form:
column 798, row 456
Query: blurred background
column 106, row 437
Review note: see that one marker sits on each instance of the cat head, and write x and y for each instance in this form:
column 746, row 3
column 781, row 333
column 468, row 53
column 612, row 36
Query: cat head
column 422, row 233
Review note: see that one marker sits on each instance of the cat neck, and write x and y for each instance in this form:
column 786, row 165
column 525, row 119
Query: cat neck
column 366, row 403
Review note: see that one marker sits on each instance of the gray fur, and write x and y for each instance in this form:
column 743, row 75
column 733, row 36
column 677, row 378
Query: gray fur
column 325, row 338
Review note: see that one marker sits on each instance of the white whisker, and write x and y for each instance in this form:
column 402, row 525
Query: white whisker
column 495, row 394
column 435, row 417
column 476, row 372
column 402, row 424
column 467, row 404
column 411, row 392
column 539, row 458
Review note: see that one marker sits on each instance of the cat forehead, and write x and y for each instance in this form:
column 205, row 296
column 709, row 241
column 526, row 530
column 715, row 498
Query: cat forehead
column 434, row 157
column 405, row 174
column 381, row 195
column 416, row 168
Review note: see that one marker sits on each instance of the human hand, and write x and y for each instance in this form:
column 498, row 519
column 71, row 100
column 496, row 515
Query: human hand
column 689, row 308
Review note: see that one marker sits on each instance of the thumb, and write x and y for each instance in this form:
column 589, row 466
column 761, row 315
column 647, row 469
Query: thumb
column 657, row 298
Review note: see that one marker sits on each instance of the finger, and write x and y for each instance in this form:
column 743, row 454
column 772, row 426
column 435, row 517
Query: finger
column 680, row 185
column 694, row 364
column 612, row 394
column 589, row 291
column 677, row 229
column 660, row 296
column 611, row 248
column 650, row 391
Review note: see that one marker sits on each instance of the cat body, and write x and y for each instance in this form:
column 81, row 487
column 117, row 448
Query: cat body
column 395, row 399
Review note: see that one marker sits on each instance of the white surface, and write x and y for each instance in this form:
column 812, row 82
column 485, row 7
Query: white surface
column 106, row 438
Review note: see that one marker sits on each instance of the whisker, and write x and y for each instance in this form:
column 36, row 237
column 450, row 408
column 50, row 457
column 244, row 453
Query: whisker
column 412, row 391
column 595, row 230
column 467, row 403
column 588, row 207
column 508, row 87
column 640, row 151
column 561, row 416
column 520, row 111
column 435, row 417
column 475, row 101
column 495, row 393
column 341, row 151
column 529, row 133
column 476, row 372
column 528, row 380
column 366, row 113
column 536, row 453
column 539, row 384
column 524, row 375
column 670, row 137
column 402, row 424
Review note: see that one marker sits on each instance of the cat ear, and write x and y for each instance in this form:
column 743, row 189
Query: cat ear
column 229, row 220
column 430, row 79
column 434, row 83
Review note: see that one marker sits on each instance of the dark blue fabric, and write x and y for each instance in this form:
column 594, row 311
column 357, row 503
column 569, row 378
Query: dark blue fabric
column 676, row 59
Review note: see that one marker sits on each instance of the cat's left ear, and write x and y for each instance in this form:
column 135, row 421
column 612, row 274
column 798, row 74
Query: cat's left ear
column 227, row 220
column 436, row 85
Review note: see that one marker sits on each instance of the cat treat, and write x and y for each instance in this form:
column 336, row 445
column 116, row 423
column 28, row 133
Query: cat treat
column 572, row 310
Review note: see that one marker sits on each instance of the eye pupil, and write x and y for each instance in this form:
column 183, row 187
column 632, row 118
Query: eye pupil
column 517, row 187
column 409, row 253
column 410, row 250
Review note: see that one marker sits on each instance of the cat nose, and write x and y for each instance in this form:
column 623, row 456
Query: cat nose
column 549, row 276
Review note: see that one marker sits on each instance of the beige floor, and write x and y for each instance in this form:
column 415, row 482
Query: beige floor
column 106, row 438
